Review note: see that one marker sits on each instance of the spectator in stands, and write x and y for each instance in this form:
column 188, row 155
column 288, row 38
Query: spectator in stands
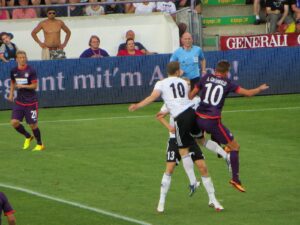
column 143, row 8
column 75, row 10
column 94, row 51
column 182, row 27
column 10, row 3
column 187, row 3
column 130, row 49
column 166, row 7
column 61, row 11
column 94, row 10
column 52, row 48
column 25, row 13
column 138, row 46
column 257, row 5
column 7, row 49
column 114, row 8
column 295, row 6
column 4, row 14
column 38, row 11
column 7, row 209
column 278, row 13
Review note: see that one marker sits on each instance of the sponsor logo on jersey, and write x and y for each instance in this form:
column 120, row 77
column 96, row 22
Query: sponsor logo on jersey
column 21, row 81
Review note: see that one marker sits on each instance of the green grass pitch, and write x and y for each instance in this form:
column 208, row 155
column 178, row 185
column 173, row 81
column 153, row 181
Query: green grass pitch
column 109, row 159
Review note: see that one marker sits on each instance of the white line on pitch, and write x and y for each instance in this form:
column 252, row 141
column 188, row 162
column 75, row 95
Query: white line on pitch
column 146, row 116
column 100, row 211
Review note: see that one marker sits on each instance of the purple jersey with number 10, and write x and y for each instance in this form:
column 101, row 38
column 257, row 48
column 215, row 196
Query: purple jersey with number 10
column 213, row 91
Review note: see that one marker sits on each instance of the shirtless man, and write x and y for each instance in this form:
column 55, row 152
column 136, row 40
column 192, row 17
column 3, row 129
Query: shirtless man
column 52, row 48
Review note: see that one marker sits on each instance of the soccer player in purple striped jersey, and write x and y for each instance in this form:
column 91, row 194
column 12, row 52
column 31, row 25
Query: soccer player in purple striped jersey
column 24, row 79
column 7, row 209
column 213, row 91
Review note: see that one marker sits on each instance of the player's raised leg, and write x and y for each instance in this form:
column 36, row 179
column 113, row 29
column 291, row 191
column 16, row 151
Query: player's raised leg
column 217, row 149
column 235, row 165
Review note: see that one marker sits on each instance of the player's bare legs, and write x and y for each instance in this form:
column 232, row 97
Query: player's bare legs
column 215, row 148
column 188, row 166
column 21, row 129
column 165, row 185
column 208, row 185
column 234, row 158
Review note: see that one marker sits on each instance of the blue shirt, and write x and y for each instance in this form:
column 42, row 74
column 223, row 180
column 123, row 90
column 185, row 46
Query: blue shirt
column 94, row 53
column 189, row 61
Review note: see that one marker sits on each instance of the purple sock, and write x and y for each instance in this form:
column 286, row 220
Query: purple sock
column 234, row 159
column 22, row 130
column 37, row 135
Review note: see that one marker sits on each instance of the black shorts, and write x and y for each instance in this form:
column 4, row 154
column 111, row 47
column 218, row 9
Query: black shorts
column 194, row 82
column 172, row 154
column 186, row 126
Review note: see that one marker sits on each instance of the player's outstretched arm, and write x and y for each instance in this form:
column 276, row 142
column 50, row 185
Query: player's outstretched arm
column 160, row 116
column 32, row 86
column 151, row 98
column 252, row 92
column 193, row 93
column 11, row 219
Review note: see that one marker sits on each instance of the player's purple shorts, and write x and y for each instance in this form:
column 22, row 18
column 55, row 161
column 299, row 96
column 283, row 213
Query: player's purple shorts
column 215, row 127
column 30, row 112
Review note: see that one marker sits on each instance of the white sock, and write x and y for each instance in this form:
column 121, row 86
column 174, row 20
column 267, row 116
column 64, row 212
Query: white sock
column 188, row 166
column 214, row 147
column 209, row 187
column 257, row 17
column 165, row 185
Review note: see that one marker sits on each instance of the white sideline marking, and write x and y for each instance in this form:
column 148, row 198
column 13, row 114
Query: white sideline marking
column 100, row 211
column 146, row 116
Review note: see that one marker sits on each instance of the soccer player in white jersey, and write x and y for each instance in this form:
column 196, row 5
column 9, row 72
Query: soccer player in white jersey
column 173, row 157
column 174, row 92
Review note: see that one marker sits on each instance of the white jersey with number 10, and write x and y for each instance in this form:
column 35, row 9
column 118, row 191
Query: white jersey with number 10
column 174, row 91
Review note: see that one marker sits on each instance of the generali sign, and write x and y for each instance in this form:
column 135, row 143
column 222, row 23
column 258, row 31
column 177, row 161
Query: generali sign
column 259, row 41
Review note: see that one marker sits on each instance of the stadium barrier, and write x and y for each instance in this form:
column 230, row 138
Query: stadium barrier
column 157, row 32
column 112, row 80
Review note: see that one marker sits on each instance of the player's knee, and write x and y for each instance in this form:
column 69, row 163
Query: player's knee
column 33, row 126
column 236, row 146
column 233, row 146
column 169, row 171
column 202, row 167
column 183, row 152
column 15, row 123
